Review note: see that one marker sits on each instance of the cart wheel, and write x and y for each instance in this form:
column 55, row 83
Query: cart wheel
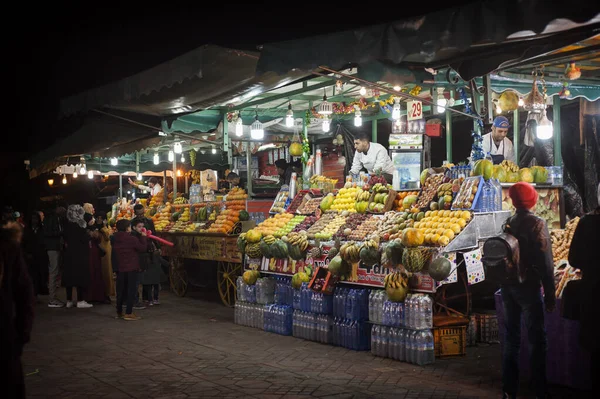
column 178, row 277
column 454, row 299
column 227, row 274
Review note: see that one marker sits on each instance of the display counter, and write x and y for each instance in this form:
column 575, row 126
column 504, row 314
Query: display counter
column 550, row 205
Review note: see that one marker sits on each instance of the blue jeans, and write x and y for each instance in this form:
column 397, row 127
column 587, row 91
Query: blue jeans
column 523, row 299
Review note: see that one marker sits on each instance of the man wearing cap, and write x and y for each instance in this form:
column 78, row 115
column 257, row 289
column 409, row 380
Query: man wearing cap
column 526, row 298
column 496, row 142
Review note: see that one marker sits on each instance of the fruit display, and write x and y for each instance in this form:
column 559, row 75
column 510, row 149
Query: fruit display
column 540, row 174
column 362, row 201
column 467, row 195
column 279, row 203
column 298, row 279
column 162, row 218
column 364, row 230
column 279, row 249
column 391, row 225
column 271, row 225
column 253, row 250
column 289, row 226
column 400, row 203
column 236, row 199
column 438, row 228
column 440, row 268
column 377, row 178
column 297, row 201
column 330, row 229
column 339, row 267
column 180, row 200
column 350, row 252
column 196, row 176
column 429, row 191
column 483, row 167
column 369, row 252
column 250, row 276
column 309, row 206
column 322, row 182
column 379, row 198
column 345, row 200
column 320, row 224
column 297, row 245
column 157, row 199
column 305, row 224
column 351, row 224
column 509, row 166
column 396, row 286
column 265, row 245
column 224, row 222
column 561, row 240
column 415, row 259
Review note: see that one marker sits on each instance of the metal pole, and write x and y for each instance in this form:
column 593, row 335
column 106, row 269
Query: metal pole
column 516, row 133
column 120, row 186
column 449, row 134
column 174, row 177
column 557, row 133
column 226, row 141
column 248, row 171
column 489, row 104
column 137, row 163
column 186, row 183
column 374, row 131
column 165, row 194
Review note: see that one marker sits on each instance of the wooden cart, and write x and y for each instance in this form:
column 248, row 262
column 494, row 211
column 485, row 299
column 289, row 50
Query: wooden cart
column 221, row 249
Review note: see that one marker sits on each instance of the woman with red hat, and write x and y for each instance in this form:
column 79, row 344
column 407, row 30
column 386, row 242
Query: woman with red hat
column 535, row 250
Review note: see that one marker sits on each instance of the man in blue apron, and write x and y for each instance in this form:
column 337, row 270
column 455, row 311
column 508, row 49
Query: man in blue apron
column 496, row 142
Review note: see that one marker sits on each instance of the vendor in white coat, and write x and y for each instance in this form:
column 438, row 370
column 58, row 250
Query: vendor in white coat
column 371, row 156
column 496, row 142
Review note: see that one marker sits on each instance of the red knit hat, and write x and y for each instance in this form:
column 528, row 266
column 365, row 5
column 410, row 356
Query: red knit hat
column 523, row 195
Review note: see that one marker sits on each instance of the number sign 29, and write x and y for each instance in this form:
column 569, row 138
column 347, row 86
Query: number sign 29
column 414, row 111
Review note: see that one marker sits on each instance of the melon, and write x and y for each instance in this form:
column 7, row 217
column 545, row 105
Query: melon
column 279, row 250
column 296, row 149
column 408, row 201
column 412, row 237
column 540, row 174
column 483, row 167
column 499, row 173
column 253, row 236
column 525, row 175
column 508, row 101
column 244, row 215
column 440, row 269
column 326, row 202
column 393, row 252
column 512, row 177
column 369, row 256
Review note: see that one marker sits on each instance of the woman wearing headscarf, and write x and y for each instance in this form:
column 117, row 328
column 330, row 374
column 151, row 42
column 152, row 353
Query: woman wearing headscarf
column 107, row 272
column 583, row 257
column 95, row 291
column 76, row 269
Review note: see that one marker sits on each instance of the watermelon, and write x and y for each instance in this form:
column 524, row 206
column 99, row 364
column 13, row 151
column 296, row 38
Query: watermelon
column 279, row 250
column 540, row 174
column 244, row 215
column 265, row 249
column 483, row 167
column 295, row 252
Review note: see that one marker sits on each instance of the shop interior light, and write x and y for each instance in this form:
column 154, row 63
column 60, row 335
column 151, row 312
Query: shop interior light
column 75, row 175
column 498, row 109
column 326, row 124
column 82, row 170
column 156, row 159
column 544, row 128
column 182, row 158
column 162, row 134
column 90, row 174
column 256, row 130
column 441, row 101
column 397, row 88
column 177, row 147
column 140, row 177
column 396, row 109
column 202, row 152
column 64, row 180
column 179, row 172
column 357, row 117
column 289, row 117
column 171, row 155
column 214, row 150
column 521, row 102
column 363, row 91
column 239, row 126
column 114, row 161
column 325, row 108
column 50, row 182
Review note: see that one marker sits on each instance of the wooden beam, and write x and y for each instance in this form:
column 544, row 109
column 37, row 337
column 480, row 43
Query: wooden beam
column 277, row 96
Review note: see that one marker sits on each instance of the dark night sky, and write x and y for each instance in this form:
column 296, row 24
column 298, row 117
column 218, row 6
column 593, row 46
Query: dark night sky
column 59, row 51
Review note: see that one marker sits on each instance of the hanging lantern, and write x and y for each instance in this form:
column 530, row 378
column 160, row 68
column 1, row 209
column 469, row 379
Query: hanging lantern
column 357, row 117
column 441, row 101
column 171, row 156
column 256, row 130
column 177, row 146
column 156, row 158
column 289, row 117
column 64, row 180
column 50, row 182
column 114, row 161
column 239, row 125
column 363, row 91
column 544, row 128
column 90, row 174
column 325, row 124
column 214, row 150
column 325, row 108
column 534, row 101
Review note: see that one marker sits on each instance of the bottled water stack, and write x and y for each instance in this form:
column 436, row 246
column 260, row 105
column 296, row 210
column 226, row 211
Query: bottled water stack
column 412, row 346
column 376, row 300
column 249, row 314
column 278, row 319
column 350, row 303
column 284, row 293
column 265, row 290
column 351, row 334
column 312, row 327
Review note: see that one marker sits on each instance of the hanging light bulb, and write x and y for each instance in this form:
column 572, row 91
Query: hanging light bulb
column 326, row 124
column 64, row 180
column 256, row 130
column 325, row 108
column 140, row 177
column 289, row 117
column 239, row 125
column 182, row 158
column 75, row 175
column 498, row 109
column 90, row 174
column 396, row 109
column 50, row 182
column 544, row 128
column 114, row 161
column 177, row 147
column 179, row 172
column 441, row 101
column 397, row 88
column 82, row 170
column 363, row 91
column 357, row 117
column 156, row 159
column 214, row 150
column 171, row 155
column 202, row 152
column 521, row 102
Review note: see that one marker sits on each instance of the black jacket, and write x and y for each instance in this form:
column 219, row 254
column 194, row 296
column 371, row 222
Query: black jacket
column 535, row 250
column 53, row 232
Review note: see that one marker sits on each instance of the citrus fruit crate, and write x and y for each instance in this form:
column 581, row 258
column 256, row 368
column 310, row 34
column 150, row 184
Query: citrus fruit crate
column 450, row 341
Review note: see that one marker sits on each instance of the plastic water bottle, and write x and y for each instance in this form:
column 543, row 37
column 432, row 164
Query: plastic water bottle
column 487, row 197
column 427, row 306
column 402, row 345
column 386, row 316
column 429, row 357
column 394, row 338
column 371, row 305
column 497, row 194
column 409, row 310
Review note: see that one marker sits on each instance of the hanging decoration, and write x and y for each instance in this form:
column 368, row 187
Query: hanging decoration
column 565, row 93
column 305, row 145
column 572, row 72
column 477, row 147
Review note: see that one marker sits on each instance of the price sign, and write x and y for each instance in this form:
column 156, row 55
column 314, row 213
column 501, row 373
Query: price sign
column 414, row 110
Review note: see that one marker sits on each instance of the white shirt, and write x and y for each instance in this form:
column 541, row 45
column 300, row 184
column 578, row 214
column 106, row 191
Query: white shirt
column 505, row 148
column 376, row 158
column 153, row 191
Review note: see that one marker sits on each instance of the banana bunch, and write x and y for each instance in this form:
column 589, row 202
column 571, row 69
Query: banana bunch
column 193, row 157
column 363, row 196
column 298, row 239
column 372, row 243
column 509, row 166
column 179, row 200
column 396, row 280
column 350, row 252
column 270, row 239
column 379, row 188
column 195, row 175
column 444, row 189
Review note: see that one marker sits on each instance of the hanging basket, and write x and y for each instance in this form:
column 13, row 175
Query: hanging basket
column 534, row 101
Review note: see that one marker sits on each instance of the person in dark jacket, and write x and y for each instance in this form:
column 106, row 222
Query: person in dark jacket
column 53, row 239
column 535, row 249
column 583, row 257
column 146, row 258
column 16, row 312
column 76, row 272
column 35, row 254
column 95, row 291
column 126, row 249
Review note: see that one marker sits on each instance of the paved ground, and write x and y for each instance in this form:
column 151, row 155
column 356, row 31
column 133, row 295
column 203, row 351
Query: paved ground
column 190, row 348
